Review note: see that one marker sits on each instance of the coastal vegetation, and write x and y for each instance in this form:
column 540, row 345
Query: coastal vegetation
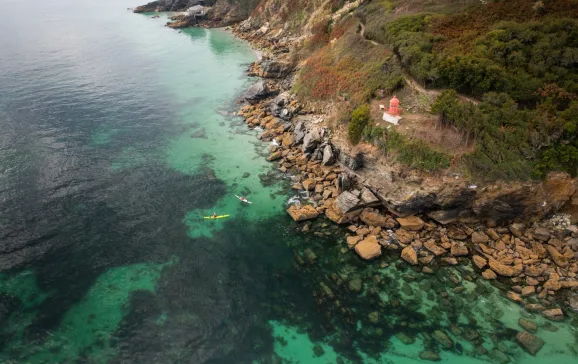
column 359, row 122
column 520, row 58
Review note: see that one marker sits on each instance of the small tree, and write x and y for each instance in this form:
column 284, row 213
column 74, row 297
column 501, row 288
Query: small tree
column 358, row 122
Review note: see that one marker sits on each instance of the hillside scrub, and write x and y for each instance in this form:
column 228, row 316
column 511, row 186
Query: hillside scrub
column 510, row 142
column 350, row 68
column 359, row 121
column 414, row 153
column 519, row 56
column 491, row 52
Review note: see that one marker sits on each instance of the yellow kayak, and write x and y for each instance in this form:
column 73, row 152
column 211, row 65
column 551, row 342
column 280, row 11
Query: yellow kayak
column 218, row 217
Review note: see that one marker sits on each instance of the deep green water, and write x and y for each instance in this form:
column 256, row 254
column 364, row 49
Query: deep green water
column 116, row 138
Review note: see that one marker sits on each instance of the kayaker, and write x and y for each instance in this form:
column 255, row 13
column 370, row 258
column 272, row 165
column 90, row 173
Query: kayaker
column 243, row 199
column 214, row 215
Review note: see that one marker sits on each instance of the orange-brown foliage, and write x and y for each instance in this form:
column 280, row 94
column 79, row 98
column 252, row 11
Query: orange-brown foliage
column 342, row 27
column 329, row 73
column 457, row 29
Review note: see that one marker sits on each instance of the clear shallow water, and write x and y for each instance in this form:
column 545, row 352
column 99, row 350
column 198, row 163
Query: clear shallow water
column 115, row 141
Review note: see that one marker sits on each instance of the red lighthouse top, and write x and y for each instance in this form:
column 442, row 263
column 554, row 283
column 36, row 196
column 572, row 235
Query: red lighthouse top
column 393, row 106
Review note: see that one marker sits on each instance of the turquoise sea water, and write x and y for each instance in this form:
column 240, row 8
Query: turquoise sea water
column 116, row 138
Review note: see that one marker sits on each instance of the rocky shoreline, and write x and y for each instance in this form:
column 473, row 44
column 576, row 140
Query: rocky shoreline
column 535, row 264
column 539, row 261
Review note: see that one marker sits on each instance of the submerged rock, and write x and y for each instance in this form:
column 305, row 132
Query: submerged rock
column 514, row 297
column 499, row 356
column 554, row 314
column 407, row 340
column 355, row 285
column 429, row 355
column 528, row 325
column 443, row 339
column 318, row 350
column 529, row 342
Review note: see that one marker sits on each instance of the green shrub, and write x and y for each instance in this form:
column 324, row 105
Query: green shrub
column 414, row 153
column 359, row 120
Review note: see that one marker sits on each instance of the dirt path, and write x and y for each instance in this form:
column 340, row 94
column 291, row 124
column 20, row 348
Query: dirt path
column 412, row 82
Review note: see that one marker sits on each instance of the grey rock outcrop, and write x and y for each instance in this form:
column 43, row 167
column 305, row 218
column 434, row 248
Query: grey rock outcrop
column 328, row 155
column 347, row 202
column 275, row 69
column 353, row 162
column 256, row 92
column 280, row 106
column 311, row 141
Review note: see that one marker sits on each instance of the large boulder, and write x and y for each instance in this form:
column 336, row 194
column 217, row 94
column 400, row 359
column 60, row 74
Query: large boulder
column 409, row 255
column 302, row 213
column 527, row 324
column 412, row 223
column 346, row 202
column 434, row 248
column 479, row 261
column 479, row 237
column 368, row 248
column 529, row 342
column 278, row 106
column 328, row 156
column 354, row 161
column 310, row 141
column 558, row 258
column 443, row 339
column 505, row 270
column 336, row 216
column 353, row 240
column 373, row 218
column 554, row 314
column 344, row 181
column 257, row 92
column 459, row 250
column 541, row 234
column 275, row 69
column 368, row 198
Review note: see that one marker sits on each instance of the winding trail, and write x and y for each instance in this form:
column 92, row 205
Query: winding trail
column 411, row 81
